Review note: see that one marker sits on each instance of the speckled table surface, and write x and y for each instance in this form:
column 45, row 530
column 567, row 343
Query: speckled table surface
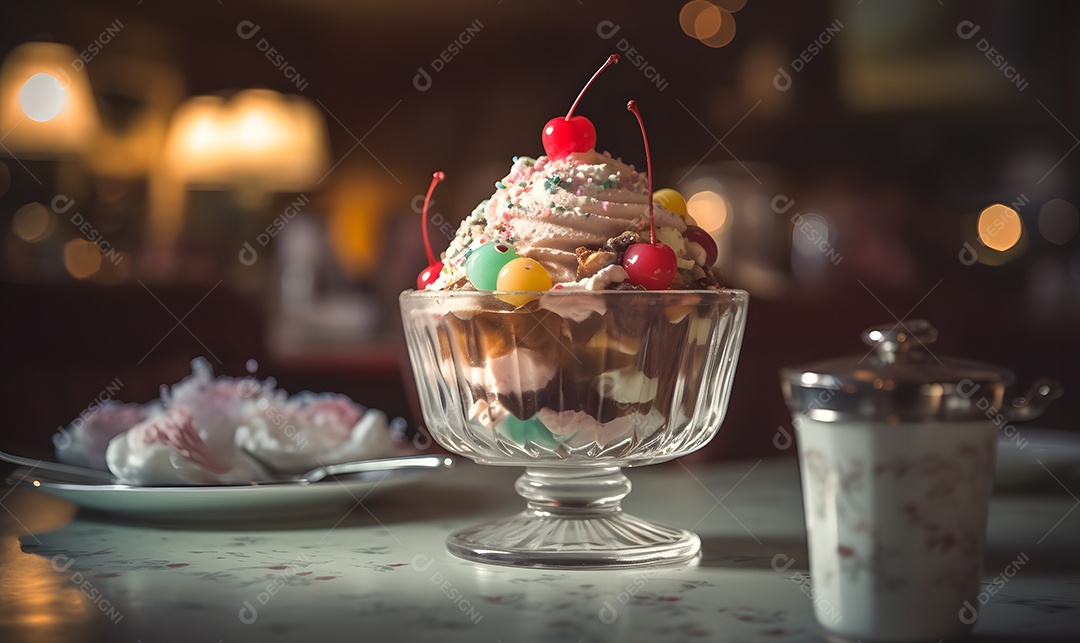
column 377, row 570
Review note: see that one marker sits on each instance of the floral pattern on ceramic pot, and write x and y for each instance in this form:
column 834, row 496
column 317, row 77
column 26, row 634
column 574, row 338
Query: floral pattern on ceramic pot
column 942, row 514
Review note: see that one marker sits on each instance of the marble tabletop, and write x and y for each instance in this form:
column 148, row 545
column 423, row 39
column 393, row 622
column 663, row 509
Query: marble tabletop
column 377, row 569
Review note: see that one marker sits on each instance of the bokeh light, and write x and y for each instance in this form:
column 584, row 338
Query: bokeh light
column 812, row 247
column 258, row 137
column 999, row 227
column 42, row 97
column 259, row 127
column 32, row 222
column 725, row 34
column 47, row 107
column 707, row 23
column 711, row 23
column 689, row 14
column 1058, row 221
column 709, row 209
column 812, row 235
column 204, row 134
column 81, row 258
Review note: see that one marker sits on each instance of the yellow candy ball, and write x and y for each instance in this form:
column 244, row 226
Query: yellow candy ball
column 670, row 199
column 522, row 274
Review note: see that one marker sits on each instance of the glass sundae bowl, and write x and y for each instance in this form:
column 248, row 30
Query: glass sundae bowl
column 573, row 385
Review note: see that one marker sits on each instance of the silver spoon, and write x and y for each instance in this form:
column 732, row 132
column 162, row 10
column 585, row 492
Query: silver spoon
column 98, row 476
column 360, row 466
column 59, row 468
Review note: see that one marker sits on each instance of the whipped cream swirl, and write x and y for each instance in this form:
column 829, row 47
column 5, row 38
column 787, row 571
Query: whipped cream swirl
column 547, row 208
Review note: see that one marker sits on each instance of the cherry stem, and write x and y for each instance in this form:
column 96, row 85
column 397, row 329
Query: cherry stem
column 632, row 106
column 612, row 59
column 435, row 178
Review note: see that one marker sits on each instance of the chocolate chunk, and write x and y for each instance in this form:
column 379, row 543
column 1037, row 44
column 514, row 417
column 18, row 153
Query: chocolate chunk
column 633, row 320
column 525, row 404
column 580, row 332
column 620, row 243
column 607, row 409
column 522, row 406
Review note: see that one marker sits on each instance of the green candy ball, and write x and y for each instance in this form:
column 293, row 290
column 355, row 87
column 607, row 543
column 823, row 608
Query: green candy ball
column 531, row 430
column 483, row 264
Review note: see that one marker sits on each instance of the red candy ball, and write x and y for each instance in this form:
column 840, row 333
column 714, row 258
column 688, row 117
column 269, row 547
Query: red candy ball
column 562, row 137
column 428, row 276
column 705, row 240
column 650, row 265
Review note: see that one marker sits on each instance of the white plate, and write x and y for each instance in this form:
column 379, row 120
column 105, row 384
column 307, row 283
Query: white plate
column 1032, row 454
column 228, row 502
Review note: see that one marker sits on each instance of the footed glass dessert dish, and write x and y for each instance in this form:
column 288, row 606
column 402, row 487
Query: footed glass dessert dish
column 573, row 385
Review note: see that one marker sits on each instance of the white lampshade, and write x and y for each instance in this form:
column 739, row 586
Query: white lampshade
column 47, row 108
column 258, row 138
column 196, row 145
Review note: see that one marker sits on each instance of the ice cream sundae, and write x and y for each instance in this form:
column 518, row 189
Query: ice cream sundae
column 547, row 370
column 574, row 325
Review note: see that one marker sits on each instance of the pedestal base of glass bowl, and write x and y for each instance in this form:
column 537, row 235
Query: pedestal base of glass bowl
column 573, row 519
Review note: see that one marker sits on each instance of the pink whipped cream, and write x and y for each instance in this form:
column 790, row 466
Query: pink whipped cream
column 546, row 208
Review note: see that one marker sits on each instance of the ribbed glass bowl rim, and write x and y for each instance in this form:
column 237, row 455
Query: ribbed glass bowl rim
column 732, row 294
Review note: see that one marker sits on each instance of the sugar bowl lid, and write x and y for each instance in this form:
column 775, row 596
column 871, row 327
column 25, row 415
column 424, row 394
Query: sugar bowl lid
column 901, row 379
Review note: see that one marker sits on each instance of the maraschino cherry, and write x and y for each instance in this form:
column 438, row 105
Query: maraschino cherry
column 674, row 202
column 431, row 273
column 564, row 135
column 705, row 240
column 650, row 265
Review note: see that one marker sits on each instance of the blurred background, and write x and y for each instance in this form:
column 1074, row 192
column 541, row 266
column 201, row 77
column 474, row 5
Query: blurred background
column 242, row 180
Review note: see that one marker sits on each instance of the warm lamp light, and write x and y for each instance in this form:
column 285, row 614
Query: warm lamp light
column 259, row 139
column 999, row 227
column 709, row 209
column 196, row 145
column 47, row 108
